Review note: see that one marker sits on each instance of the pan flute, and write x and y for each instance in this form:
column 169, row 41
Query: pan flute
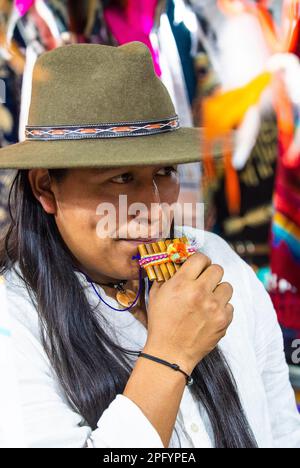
column 162, row 259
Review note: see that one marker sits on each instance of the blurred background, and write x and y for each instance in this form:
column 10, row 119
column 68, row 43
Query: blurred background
column 232, row 67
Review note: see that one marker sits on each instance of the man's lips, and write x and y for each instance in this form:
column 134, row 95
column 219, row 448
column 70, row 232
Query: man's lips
column 140, row 241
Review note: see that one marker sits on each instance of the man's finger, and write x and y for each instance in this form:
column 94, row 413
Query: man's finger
column 211, row 277
column 194, row 266
column 224, row 293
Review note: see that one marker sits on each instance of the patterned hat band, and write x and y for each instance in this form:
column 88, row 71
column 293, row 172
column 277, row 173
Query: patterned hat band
column 109, row 130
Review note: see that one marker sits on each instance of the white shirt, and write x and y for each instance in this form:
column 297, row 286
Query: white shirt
column 253, row 347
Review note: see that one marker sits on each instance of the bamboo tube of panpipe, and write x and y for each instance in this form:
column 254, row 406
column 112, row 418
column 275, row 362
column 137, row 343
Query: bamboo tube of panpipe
column 158, row 272
column 168, row 242
column 163, row 267
column 170, row 267
column 150, row 271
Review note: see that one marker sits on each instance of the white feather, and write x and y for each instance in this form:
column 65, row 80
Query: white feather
column 246, row 137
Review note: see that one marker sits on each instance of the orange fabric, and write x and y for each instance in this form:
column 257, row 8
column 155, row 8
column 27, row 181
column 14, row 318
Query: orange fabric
column 225, row 111
column 279, row 39
column 294, row 45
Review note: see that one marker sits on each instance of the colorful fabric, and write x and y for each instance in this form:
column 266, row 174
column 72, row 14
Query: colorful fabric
column 285, row 229
column 285, row 256
column 9, row 113
column 185, row 44
column 23, row 6
column 249, row 232
column 134, row 23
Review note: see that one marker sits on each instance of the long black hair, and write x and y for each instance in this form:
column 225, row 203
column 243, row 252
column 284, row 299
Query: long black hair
column 91, row 368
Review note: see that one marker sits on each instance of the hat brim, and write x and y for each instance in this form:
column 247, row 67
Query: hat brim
column 177, row 147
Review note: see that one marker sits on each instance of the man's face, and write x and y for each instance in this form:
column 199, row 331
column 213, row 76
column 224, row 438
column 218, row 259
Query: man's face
column 79, row 196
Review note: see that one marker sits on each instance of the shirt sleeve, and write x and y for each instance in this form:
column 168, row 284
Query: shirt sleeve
column 124, row 415
column 269, row 348
column 48, row 419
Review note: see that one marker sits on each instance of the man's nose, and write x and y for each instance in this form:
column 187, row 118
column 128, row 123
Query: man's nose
column 148, row 193
column 150, row 197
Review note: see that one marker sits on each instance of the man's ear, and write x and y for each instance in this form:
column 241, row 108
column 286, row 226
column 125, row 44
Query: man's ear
column 40, row 182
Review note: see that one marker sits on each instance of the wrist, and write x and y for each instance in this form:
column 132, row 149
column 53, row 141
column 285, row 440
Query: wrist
column 169, row 356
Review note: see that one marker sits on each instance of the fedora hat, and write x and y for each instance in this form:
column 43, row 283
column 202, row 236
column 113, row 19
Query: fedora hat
column 100, row 106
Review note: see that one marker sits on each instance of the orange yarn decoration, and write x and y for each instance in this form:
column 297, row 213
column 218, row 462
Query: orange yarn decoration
column 178, row 252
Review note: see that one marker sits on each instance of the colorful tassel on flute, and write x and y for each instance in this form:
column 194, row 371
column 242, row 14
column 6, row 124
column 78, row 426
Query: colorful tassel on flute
column 162, row 259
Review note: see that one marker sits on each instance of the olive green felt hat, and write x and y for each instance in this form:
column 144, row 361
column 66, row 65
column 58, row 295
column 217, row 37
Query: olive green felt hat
column 97, row 106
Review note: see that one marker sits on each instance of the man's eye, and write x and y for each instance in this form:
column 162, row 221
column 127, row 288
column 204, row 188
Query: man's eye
column 122, row 179
column 167, row 171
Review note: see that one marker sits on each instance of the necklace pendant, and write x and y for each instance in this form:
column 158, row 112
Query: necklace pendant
column 125, row 297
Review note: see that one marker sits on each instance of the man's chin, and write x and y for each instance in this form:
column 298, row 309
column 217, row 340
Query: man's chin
column 134, row 273
column 129, row 270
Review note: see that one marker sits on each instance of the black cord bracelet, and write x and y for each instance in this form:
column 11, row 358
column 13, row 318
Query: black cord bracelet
column 189, row 379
